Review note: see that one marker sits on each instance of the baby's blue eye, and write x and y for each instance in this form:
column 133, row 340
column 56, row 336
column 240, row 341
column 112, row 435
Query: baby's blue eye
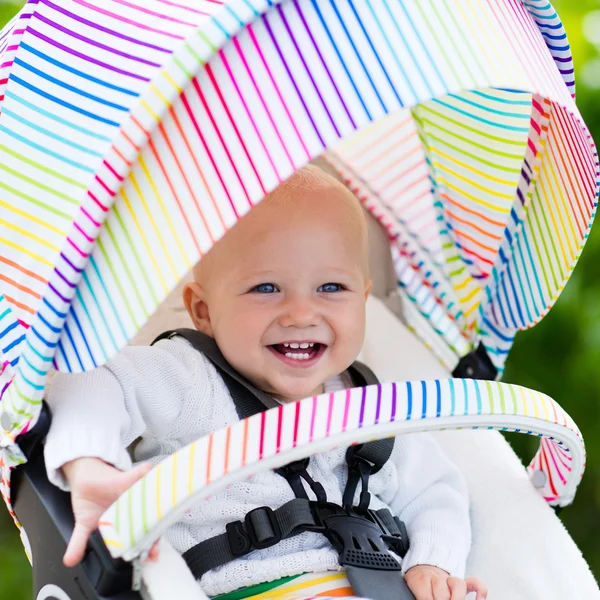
column 331, row 287
column 265, row 288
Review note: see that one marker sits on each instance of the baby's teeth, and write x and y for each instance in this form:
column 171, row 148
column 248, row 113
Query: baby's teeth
column 296, row 345
column 297, row 356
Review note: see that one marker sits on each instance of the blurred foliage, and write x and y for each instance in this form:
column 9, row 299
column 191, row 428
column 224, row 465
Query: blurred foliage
column 7, row 10
column 560, row 356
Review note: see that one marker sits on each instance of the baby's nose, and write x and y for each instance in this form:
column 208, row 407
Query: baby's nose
column 299, row 314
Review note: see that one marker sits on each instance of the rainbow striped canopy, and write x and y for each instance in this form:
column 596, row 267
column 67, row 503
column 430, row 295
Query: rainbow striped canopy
column 134, row 134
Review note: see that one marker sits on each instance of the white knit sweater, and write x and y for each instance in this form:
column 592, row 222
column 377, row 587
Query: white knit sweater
column 170, row 395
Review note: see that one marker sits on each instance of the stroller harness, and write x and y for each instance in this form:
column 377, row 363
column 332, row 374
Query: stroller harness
column 362, row 537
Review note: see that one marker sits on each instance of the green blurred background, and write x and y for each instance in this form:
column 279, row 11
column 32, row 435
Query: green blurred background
column 560, row 357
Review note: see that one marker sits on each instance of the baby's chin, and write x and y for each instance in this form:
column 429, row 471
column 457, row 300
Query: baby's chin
column 294, row 391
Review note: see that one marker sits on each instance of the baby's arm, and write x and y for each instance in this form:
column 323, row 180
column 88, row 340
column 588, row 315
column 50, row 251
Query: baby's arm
column 101, row 412
column 96, row 415
column 432, row 500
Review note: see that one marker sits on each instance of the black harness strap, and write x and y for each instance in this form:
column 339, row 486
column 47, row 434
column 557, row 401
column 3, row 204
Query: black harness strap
column 246, row 405
column 264, row 527
column 261, row 528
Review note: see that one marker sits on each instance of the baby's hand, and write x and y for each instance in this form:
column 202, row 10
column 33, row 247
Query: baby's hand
column 95, row 485
column 430, row 583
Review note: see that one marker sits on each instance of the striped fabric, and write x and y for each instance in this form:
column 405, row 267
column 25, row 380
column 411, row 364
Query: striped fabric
column 307, row 586
column 276, row 437
column 134, row 134
column 555, row 37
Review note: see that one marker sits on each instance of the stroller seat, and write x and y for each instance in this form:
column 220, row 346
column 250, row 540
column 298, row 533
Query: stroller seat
column 524, row 532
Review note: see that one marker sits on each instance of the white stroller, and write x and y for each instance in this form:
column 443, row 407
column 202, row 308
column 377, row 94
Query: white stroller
column 133, row 135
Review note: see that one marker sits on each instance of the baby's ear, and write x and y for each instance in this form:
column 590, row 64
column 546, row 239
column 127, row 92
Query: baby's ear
column 193, row 298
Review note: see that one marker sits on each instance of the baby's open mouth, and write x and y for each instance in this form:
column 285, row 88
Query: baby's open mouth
column 300, row 351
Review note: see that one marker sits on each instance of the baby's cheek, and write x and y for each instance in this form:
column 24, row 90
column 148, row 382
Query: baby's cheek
column 348, row 349
column 355, row 331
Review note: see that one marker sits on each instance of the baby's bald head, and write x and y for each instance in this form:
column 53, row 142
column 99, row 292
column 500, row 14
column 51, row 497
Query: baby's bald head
column 311, row 196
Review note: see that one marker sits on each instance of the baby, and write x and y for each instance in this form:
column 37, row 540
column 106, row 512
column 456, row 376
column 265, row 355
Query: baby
column 283, row 296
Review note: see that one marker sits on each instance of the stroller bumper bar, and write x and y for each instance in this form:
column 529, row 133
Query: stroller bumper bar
column 348, row 417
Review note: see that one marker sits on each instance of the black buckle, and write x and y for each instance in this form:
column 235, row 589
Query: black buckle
column 321, row 511
column 242, row 536
column 361, row 540
column 359, row 469
column 398, row 542
column 360, row 543
column 239, row 540
column 295, row 472
column 273, row 539
column 298, row 466
column 476, row 365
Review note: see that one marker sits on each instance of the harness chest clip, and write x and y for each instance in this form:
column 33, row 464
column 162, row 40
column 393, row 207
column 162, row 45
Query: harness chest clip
column 360, row 539
column 360, row 542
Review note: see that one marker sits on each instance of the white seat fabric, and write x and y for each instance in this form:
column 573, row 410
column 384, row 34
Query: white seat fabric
column 520, row 548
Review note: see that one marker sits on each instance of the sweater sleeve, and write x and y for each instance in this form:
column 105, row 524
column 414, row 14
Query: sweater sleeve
column 432, row 500
column 101, row 412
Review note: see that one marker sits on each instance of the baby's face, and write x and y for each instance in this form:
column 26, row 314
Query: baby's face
column 284, row 296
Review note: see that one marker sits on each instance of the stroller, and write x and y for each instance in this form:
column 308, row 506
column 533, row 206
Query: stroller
column 134, row 135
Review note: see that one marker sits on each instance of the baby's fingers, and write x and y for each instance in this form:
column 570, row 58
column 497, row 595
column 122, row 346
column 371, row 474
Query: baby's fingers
column 420, row 586
column 77, row 545
column 457, row 587
column 440, row 588
column 154, row 551
column 128, row 478
column 476, row 585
